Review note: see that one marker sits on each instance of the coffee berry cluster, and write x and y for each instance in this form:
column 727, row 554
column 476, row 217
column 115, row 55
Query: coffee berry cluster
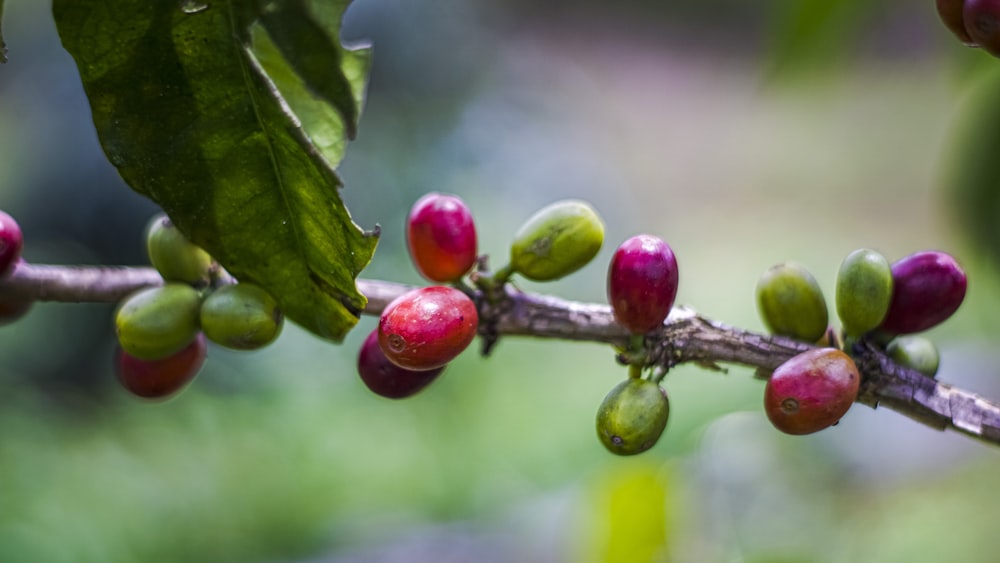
column 423, row 330
column 163, row 331
column 878, row 302
column 976, row 23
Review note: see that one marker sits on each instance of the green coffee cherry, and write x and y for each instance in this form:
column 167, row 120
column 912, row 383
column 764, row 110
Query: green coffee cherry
column 632, row 416
column 157, row 322
column 557, row 240
column 790, row 302
column 916, row 353
column 864, row 291
column 242, row 316
column 170, row 252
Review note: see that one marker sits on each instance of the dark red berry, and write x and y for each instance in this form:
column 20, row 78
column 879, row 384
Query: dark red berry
column 928, row 287
column 642, row 283
column 11, row 242
column 950, row 12
column 386, row 378
column 12, row 309
column 441, row 236
column 811, row 391
column 982, row 22
column 158, row 379
column 427, row 327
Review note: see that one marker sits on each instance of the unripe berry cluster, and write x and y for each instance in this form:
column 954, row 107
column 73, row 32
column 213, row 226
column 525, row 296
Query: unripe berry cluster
column 423, row 330
column 163, row 331
column 877, row 302
column 975, row 22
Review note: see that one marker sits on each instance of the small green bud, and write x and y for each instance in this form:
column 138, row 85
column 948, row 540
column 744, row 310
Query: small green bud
column 173, row 255
column 557, row 241
column 157, row 322
column 791, row 302
column 864, row 291
column 242, row 316
column 915, row 352
column 632, row 416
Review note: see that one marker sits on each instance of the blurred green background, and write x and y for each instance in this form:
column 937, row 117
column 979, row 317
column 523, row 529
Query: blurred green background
column 743, row 133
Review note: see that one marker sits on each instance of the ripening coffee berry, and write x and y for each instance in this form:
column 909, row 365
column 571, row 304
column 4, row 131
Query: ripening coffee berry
column 427, row 327
column 950, row 12
column 928, row 287
column 642, row 283
column 11, row 243
column 387, row 379
column 811, row 391
column 173, row 255
column 159, row 379
column 791, row 303
column 632, row 416
column 157, row 322
column 982, row 22
column 242, row 316
column 441, row 236
column 915, row 352
column 557, row 240
column 864, row 291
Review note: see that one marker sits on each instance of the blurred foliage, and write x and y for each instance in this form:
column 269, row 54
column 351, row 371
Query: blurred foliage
column 655, row 113
column 973, row 175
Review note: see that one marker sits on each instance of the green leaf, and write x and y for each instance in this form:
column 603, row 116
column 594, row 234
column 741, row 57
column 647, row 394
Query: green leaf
column 3, row 46
column 307, row 39
column 187, row 109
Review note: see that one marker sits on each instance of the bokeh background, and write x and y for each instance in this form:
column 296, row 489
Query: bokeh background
column 743, row 133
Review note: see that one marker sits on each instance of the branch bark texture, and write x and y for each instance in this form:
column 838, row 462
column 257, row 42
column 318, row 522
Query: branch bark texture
column 685, row 337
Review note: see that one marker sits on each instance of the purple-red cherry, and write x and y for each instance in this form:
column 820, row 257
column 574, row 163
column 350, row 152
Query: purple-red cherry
column 950, row 12
column 441, row 237
column 427, row 327
column 642, row 283
column 928, row 287
column 11, row 242
column 811, row 391
column 982, row 22
column 159, row 379
column 387, row 379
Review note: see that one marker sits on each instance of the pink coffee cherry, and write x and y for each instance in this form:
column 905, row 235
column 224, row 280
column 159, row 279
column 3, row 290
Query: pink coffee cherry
column 441, row 237
column 642, row 283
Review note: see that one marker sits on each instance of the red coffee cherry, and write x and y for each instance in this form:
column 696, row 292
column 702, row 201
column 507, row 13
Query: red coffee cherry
column 387, row 379
column 441, row 236
column 811, row 391
column 982, row 22
column 928, row 287
column 11, row 242
column 427, row 327
column 950, row 12
column 159, row 379
column 642, row 283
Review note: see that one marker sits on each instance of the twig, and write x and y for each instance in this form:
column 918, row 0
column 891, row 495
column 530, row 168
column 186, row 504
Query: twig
column 685, row 337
